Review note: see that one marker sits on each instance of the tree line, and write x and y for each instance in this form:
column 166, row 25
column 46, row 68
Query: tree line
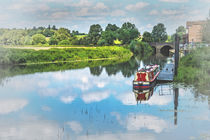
column 112, row 35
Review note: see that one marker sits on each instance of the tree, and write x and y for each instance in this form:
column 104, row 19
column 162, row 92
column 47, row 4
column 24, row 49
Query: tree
column 128, row 32
column 48, row 33
column 159, row 33
column 38, row 39
column 147, row 37
column 54, row 27
column 94, row 33
column 62, row 34
column 111, row 27
column 53, row 41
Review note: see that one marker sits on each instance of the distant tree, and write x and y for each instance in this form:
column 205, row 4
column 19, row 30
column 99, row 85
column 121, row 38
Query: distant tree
column 128, row 32
column 94, row 33
column 111, row 27
column 49, row 27
column 53, row 41
column 48, row 33
column 38, row 39
column 62, row 34
column 54, row 27
column 159, row 33
column 13, row 37
column 27, row 40
column 181, row 32
column 147, row 37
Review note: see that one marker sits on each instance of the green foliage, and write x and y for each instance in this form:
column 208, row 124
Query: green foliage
column 62, row 34
column 181, row 32
column 38, row 39
column 147, row 37
column 19, row 56
column 101, row 42
column 12, row 37
column 64, row 42
column 206, row 31
column 128, row 32
column 159, row 33
column 195, row 69
column 140, row 48
column 111, row 27
column 53, row 41
column 48, row 33
column 94, row 33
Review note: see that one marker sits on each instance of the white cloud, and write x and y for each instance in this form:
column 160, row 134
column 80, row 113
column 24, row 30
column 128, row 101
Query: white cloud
column 43, row 84
column 48, row 92
column 60, row 15
column 117, row 13
column 100, row 6
column 175, row 1
column 29, row 7
column 67, row 99
column 153, row 12
column 95, row 96
column 82, row 3
column 12, row 105
column 137, row 6
column 127, row 98
column 30, row 129
column 171, row 12
column 158, row 100
column 137, row 122
column 75, row 126
column 101, row 84
column 118, row 136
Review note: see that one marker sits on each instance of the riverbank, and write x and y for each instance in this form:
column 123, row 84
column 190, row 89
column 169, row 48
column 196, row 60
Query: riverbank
column 195, row 69
column 14, row 56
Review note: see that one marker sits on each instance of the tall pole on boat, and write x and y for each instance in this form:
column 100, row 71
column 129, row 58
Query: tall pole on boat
column 176, row 53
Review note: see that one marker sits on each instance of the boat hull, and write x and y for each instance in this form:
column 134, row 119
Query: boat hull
column 143, row 85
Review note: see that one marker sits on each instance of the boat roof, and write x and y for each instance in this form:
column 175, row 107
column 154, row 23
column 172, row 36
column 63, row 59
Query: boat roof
column 148, row 68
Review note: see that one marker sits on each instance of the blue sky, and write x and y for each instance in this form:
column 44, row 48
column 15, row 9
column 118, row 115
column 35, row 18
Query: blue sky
column 80, row 14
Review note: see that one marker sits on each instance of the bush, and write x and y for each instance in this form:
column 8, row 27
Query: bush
column 38, row 39
column 140, row 48
column 64, row 42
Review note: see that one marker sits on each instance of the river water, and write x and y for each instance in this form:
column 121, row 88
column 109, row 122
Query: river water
column 99, row 104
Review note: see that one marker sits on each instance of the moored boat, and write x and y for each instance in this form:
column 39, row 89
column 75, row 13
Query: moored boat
column 146, row 77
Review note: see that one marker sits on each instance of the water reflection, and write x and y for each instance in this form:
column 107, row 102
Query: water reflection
column 143, row 95
column 79, row 105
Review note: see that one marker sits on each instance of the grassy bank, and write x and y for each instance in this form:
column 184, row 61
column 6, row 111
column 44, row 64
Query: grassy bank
column 53, row 55
column 195, row 69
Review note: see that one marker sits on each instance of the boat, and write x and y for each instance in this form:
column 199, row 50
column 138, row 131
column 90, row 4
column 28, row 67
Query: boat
column 146, row 77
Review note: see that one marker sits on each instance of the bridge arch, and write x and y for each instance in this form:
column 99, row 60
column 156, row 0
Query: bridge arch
column 165, row 49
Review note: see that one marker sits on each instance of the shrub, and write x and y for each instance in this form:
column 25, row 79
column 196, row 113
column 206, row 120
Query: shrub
column 38, row 39
column 64, row 42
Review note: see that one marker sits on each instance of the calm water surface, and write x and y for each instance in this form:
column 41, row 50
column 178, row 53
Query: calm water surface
column 99, row 104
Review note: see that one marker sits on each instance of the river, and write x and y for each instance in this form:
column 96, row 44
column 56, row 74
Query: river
column 98, row 104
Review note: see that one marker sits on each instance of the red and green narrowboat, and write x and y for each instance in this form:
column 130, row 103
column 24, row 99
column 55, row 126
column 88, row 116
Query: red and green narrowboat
column 146, row 77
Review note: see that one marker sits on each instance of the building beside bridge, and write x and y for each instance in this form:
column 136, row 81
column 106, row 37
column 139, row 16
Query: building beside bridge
column 195, row 31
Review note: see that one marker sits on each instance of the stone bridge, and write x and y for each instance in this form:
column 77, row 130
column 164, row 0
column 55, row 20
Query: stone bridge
column 160, row 47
